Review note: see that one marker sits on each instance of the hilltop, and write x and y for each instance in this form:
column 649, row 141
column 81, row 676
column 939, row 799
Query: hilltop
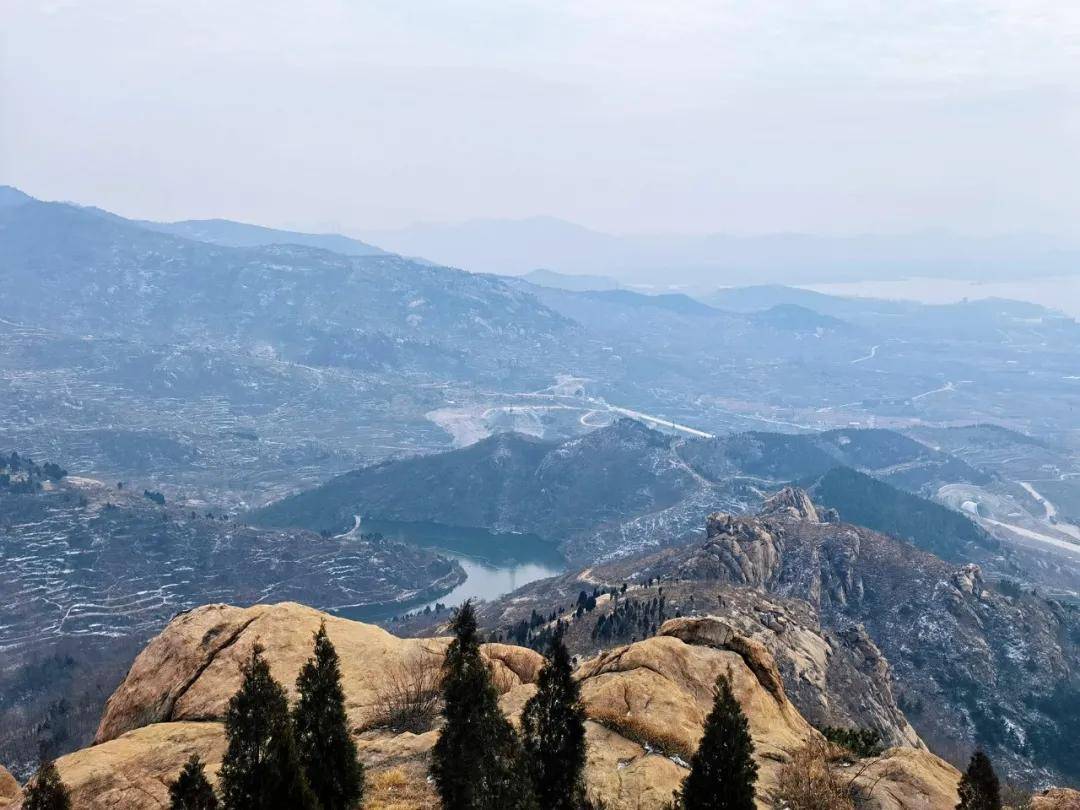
column 625, row 487
column 645, row 704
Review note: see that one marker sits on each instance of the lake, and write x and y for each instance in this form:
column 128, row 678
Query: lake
column 494, row 563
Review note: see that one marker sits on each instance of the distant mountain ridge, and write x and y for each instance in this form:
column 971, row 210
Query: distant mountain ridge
column 573, row 283
column 225, row 232
column 505, row 483
column 603, row 493
column 79, row 269
column 515, row 247
column 241, row 234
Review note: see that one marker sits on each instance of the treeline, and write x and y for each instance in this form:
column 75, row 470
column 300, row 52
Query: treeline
column 630, row 620
column 21, row 475
column 304, row 758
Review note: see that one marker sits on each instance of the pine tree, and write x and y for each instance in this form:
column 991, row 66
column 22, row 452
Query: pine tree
column 722, row 771
column 553, row 726
column 47, row 791
column 979, row 788
column 261, row 769
column 191, row 790
column 327, row 752
column 477, row 762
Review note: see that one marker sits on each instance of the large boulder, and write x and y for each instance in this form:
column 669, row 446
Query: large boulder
column 135, row 769
column 656, row 694
column 192, row 668
column 908, row 779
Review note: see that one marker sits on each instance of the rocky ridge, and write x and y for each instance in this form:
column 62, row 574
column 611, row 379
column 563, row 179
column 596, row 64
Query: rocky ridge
column 646, row 703
column 866, row 630
column 970, row 664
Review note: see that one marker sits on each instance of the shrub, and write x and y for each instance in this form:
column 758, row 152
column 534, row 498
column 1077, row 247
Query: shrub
column 808, row 783
column 862, row 742
column 408, row 699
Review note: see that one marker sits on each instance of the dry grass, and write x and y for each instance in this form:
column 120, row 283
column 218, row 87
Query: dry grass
column 640, row 732
column 396, row 790
column 808, row 782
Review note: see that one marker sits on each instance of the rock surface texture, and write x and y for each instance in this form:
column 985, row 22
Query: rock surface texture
column 645, row 702
column 9, row 788
column 1056, row 799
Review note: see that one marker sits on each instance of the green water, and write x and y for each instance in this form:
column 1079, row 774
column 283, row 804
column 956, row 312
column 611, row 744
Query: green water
column 495, row 564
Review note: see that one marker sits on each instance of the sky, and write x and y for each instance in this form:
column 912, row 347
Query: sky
column 810, row 116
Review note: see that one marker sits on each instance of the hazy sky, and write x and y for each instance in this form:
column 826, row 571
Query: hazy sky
column 828, row 116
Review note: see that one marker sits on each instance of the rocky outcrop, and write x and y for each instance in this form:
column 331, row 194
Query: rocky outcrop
column 969, row 664
column 1056, row 799
column 646, row 703
column 135, row 769
column 655, row 694
column 9, row 788
column 904, row 778
column 192, row 668
column 792, row 503
column 737, row 550
column 715, row 633
column 834, row 676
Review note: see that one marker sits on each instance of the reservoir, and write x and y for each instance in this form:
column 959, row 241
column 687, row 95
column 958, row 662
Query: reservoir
column 495, row 563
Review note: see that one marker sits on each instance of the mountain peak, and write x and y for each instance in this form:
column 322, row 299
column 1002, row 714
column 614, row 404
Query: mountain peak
column 791, row 502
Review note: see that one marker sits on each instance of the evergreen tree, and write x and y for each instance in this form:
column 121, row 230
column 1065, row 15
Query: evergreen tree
column 477, row 762
column 722, row 771
column 191, row 790
column 47, row 791
column 327, row 752
column 553, row 725
column 261, row 769
column 979, row 788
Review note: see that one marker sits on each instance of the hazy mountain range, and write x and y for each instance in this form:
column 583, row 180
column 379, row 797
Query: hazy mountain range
column 516, row 247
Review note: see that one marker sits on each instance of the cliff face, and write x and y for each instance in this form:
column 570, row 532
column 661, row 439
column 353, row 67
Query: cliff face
column 646, row 703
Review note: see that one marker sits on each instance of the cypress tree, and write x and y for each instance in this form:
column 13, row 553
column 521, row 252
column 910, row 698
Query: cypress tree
column 191, row 790
column 553, row 726
column 261, row 769
column 47, row 792
column 327, row 752
column 722, row 771
column 477, row 762
column 979, row 788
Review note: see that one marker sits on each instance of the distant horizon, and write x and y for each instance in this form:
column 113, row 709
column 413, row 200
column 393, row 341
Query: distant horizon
column 361, row 231
column 632, row 118
column 1056, row 291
